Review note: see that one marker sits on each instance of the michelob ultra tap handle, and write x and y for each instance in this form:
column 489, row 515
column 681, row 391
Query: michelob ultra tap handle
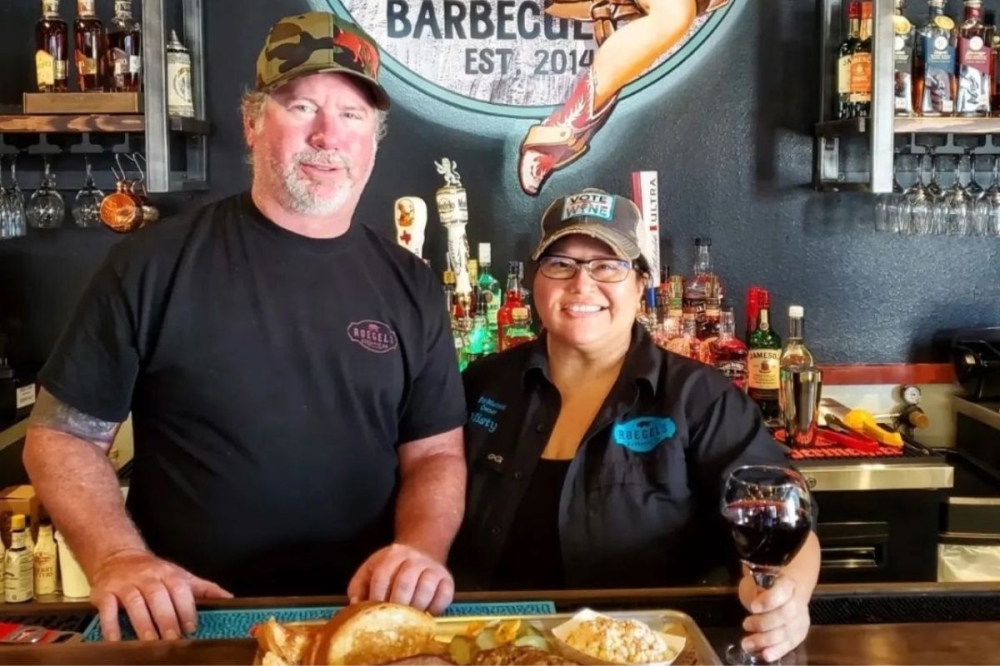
column 411, row 223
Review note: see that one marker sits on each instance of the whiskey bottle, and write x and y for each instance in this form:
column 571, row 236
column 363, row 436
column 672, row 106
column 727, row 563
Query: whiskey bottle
column 795, row 351
column 88, row 32
column 994, row 62
column 124, row 49
column 728, row 353
column 903, row 56
column 51, row 49
column 974, row 66
column 763, row 365
column 697, row 288
column 861, row 66
column 934, row 64
column 843, row 99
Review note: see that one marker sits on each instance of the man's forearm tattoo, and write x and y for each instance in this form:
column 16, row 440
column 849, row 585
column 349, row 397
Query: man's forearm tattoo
column 49, row 412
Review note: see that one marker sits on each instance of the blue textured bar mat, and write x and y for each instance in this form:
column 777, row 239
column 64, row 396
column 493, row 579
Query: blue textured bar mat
column 237, row 623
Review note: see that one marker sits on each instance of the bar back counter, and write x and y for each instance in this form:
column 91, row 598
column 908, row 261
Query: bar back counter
column 852, row 624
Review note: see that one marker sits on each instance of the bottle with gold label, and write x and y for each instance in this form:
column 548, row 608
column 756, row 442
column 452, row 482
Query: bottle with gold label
column 764, row 364
column 46, row 572
column 18, row 565
column 88, row 34
column 51, row 50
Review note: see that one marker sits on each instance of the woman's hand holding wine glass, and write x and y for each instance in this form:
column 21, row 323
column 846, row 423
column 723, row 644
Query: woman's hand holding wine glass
column 769, row 510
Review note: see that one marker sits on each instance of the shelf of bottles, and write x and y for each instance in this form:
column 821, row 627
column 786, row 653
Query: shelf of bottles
column 915, row 77
column 688, row 316
column 102, row 76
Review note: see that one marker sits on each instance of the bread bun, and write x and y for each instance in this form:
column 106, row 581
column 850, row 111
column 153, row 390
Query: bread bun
column 285, row 644
column 372, row 632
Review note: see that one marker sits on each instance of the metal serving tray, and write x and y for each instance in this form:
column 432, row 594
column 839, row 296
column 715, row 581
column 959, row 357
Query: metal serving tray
column 697, row 651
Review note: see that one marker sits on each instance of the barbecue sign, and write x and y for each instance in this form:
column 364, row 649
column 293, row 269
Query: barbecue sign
column 520, row 58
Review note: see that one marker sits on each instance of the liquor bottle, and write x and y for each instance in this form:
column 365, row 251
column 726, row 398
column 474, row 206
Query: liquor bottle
column 18, row 566
column 709, row 330
column 51, row 50
column 44, row 562
column 728, row 353
column 180, row 99
column 461, row 327
column 124, row 44
column 687, row 343
column 934, row 80
column 844, row 109
column 903, row 56
column 753, row 309
column 490, row 286
column 518, row 331
column 974, row 66
column 763, row 364
column 480, row 341
column 449, row 289
column 995, row 63
column 88, row 31
column 795, row 351
column 861, row 66
column 473, row 268
column 512, row 299
column 698, row 287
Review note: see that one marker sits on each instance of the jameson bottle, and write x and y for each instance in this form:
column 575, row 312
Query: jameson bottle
column 764, row 365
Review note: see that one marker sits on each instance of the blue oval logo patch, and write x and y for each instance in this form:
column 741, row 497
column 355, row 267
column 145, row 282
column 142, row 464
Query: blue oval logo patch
column 643, row 434
column 374, row 336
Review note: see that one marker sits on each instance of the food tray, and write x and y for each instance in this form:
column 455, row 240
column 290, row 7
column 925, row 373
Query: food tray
column 697, row 652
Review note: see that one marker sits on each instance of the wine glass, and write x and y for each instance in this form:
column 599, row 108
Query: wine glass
column 958, row 205
column 87, row 204
column 916, row 210
column 46, row 208
column 13, row 199
column 889, row 204
column 769, row 509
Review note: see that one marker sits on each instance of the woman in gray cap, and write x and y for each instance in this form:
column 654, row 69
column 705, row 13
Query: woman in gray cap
column 596, row 458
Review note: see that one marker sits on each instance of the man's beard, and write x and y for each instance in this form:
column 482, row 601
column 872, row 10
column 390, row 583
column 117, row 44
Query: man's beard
column 299, row 194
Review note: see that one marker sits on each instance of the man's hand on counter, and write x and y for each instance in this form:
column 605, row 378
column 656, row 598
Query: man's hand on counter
column 158, row 596
column 405, row 575
column 780, row 617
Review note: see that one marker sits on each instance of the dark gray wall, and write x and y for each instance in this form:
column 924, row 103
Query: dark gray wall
column 729, row 134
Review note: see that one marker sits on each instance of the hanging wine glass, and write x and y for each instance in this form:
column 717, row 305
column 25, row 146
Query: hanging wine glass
column 46, row 208
column 958, row 205
column 87, row 204
column 973, row 189
column 150, row 213
column 888, row 204
column 4, row 217
column 17, row 223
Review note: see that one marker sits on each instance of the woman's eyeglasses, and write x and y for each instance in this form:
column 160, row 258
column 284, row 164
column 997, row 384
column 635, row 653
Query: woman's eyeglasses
column 558, row 267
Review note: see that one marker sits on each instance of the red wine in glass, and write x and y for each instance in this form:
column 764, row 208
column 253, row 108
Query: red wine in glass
column 769, row 510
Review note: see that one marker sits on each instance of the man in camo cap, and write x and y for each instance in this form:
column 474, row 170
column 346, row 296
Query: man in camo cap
column 295, row 398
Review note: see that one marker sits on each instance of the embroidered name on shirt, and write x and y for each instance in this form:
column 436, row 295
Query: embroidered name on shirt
column 643, row 434
column 486, row 409
column 373, row 335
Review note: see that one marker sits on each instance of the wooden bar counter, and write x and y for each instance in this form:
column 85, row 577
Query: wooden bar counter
column 937, row 624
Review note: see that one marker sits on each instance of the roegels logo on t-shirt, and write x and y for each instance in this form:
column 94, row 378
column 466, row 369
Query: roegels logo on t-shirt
column 374, row 336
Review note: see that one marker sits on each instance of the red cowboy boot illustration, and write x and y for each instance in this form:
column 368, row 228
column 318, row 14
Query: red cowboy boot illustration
column 563, row 137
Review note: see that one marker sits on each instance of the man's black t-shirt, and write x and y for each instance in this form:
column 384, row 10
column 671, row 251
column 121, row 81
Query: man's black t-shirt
column 270, row 379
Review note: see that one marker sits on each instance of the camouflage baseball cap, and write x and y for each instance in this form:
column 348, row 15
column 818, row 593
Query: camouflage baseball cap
column 319, row 42
column 610, row 218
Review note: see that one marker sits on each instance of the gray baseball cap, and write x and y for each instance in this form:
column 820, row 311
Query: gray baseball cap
column 610, row 218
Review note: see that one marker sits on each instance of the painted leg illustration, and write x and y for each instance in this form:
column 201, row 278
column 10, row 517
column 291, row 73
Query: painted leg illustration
column 653, row 27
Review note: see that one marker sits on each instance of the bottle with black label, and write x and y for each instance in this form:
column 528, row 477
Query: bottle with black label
column 764, row 364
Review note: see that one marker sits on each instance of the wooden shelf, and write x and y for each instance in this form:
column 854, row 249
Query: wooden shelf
column 832, row 129
column 107, row 123
column 947, row 126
